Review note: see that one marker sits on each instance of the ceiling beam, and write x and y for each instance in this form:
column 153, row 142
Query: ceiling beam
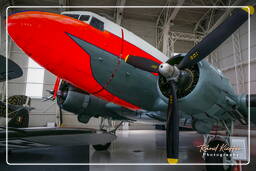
column 203, row 3
column 120, row 11
column 64, row 3
column 210, row 12
column 175, row 11
column 185, row 36
column 224, row 16
column 166, row 29
column 205, row 16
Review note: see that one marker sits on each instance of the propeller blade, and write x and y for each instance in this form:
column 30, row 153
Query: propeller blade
column 216, row 37
column 142, row 63
column 172, row 127
column 13, row 71
column 50, row 91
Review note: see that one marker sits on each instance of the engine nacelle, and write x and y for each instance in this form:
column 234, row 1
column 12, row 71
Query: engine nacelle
column 79, row 102
column 208, row 97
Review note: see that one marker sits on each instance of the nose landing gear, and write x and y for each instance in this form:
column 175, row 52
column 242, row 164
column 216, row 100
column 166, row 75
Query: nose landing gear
column 215, row 157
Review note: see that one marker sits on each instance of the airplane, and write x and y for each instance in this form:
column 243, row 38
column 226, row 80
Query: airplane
column 108, row 71
column 19, row 105
column 22, row 137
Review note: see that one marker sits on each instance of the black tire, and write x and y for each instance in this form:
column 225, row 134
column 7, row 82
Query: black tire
column 20, row 120
column 216, row 159
column 100, row 147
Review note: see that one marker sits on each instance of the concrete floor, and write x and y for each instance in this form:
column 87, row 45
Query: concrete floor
column 147, row 146
column 134, row 146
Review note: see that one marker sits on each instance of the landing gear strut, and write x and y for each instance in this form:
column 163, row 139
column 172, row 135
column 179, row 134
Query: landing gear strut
column 219, row 156
column 107, row 126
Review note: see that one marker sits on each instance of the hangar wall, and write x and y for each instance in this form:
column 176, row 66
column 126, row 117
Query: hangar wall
column 226, row 58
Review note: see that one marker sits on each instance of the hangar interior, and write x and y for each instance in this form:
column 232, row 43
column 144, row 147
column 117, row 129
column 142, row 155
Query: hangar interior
column 171, row 30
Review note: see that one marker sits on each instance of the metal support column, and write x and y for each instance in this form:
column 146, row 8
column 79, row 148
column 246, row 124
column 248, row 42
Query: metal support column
column 165, row 40
column 239, row 69
column 119, row 11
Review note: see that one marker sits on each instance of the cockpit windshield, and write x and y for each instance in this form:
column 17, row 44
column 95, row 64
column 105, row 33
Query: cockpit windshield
column 96, row 23
column 75, row 16
column 84, row 17
column 93, row 21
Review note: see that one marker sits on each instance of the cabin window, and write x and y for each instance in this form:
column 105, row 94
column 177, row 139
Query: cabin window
column 75, row 16
column 84, row 17
column 97, row 23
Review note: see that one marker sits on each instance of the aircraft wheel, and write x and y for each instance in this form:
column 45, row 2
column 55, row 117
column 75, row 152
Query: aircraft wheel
column 21, row 120
column 218, row 158
column 100, row 147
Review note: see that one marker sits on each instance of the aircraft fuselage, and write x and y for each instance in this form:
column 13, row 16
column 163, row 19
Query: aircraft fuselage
column 91, row 55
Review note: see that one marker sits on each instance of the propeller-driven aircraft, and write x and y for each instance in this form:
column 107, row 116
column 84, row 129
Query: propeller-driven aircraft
column 19, row 105
column 108, row 71
column 20, row 137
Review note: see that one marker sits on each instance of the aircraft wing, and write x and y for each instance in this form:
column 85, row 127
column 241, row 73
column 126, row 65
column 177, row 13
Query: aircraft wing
column 20, row 138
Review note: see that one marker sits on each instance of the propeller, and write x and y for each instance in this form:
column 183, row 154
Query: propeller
column 53, row 92
column 172, row 126
column 175, row 74
column 215, row 38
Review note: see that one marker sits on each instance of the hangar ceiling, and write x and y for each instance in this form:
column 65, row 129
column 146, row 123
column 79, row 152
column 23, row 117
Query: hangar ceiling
column 185, row 20
column 144, row 23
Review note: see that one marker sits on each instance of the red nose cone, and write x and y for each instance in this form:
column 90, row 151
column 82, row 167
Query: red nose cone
column 42, row 36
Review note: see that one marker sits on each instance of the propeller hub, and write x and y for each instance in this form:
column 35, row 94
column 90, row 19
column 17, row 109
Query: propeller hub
column 170, row 72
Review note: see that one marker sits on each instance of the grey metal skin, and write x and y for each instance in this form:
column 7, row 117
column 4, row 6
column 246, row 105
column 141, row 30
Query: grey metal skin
column 212, row 100
column 119, row 78
column 87, row 106
column 210, row 94
column 243, row 108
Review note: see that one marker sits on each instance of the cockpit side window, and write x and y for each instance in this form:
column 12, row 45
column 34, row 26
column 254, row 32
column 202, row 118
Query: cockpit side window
column 97, row 23
column 84, row 17
column 75, row 16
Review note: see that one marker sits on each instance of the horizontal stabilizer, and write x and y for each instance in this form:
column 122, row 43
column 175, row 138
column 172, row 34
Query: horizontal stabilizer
column 14, row 70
